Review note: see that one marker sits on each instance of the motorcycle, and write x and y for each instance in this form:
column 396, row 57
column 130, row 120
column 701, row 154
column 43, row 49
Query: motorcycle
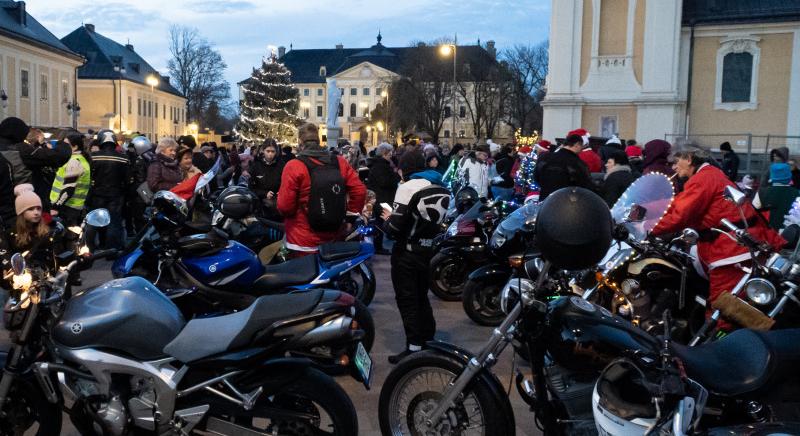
column 445, row 389
column 120, row 358
column 464, row 247
column 481, row 297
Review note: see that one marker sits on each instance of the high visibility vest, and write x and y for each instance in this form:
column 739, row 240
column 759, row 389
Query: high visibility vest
column 78, row 198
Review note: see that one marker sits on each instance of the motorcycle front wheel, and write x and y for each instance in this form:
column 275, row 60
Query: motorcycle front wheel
column 413, row 389
column 448, row 276
column 313, row 404
column 481, row 300
column 27, row 411
column 359, row 282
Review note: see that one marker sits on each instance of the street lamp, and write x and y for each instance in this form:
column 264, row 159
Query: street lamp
column 385, row 96
column 120, row 68
column 152, row 81
column 446, row 50
column 74, row 110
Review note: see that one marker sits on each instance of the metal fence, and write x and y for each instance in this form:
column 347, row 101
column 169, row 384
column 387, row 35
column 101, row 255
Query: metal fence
column 753, row 150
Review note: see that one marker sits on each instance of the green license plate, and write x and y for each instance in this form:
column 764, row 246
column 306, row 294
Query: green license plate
column 363, row 363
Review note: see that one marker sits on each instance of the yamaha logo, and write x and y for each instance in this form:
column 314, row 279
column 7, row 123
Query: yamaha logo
column 77, row 328
column 212, row 268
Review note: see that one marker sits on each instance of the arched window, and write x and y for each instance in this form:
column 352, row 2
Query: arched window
column 737, row 74
column 352, row 110
column 341, row 110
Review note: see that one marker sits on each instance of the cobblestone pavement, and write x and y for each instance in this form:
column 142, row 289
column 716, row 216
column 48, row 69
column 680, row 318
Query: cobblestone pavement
column 452, row 326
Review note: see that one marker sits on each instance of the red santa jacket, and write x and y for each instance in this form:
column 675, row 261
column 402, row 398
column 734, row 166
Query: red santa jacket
column 592, row 160
column 293, row 203
column 701, row 207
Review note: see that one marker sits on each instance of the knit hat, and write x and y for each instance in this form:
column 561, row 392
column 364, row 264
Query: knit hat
column 26, row 198
column 14, row 129
column 725, row 146
column 582, row 133
column 614, row 140
column 780, row 173
column 411, row 162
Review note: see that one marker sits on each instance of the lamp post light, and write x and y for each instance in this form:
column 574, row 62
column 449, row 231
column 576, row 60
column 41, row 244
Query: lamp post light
column 385, row 96
column 74, row 110
column 446, row 50
column 120, row 69
column 152, row 80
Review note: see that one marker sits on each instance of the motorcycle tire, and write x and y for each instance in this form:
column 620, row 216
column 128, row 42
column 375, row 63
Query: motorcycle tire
column 448, row 276
column 481, row 301
column 481, row 399
column 26, row 406
column 311, row 393
column 362, row 288
column 364, row 319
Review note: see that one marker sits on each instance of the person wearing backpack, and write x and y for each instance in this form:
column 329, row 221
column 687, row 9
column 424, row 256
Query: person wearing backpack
column 317, row 191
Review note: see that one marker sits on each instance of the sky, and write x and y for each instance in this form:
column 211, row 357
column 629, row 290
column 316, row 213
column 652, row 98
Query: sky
column 242, row 30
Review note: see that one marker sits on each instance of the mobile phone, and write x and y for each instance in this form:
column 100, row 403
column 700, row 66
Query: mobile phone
column 386, row 206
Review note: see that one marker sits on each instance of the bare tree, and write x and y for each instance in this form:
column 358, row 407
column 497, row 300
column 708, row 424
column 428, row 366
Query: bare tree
column 482, row 87
column 526, row 67
column 198, row 71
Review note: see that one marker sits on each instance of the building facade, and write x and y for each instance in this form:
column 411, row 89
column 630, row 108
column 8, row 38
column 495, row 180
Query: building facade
column 37, row 71
column 649, row 69
column 363, row 75
column 119, row 90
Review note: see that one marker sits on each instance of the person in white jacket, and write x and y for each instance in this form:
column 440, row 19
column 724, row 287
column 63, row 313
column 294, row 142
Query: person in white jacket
column 473, row 170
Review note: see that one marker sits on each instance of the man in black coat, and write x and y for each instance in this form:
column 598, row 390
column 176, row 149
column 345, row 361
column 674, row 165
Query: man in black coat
column 43, row 159
column 111, row 177
column 730, row 161
column 265, row 177
column 562, row 168
column 382, row 180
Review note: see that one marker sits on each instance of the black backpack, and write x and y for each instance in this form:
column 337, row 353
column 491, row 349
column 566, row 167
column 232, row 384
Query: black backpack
column 327, row 201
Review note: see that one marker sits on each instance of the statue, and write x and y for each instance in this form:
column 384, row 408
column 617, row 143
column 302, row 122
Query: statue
column 334, row 97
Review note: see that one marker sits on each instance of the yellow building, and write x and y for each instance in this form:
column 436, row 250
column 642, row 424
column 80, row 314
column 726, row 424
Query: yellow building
column 37, row 71
column 119, row 90
column 705, row 70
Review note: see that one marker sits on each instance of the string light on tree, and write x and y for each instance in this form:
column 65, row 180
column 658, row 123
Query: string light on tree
column 520, row 139
column 270, row 104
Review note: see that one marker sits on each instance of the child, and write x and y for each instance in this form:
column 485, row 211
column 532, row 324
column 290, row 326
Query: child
column 32, row 231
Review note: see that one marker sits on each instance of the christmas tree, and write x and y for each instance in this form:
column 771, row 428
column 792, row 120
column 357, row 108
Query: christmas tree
column 269, row 105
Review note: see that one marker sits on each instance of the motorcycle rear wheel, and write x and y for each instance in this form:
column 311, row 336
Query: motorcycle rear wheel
column 412, row 390
column 481, row 300
column 448, row 276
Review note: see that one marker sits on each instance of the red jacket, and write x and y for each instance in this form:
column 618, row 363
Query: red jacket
column 293, row 203
column 701, row 207
column 592, row 160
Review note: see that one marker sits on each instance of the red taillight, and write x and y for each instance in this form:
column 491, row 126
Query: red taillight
column 345, row 299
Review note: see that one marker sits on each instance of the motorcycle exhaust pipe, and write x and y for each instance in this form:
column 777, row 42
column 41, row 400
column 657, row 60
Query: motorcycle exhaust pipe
column 331, row 331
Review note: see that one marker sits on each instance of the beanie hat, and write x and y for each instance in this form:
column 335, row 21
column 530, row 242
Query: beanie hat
column 780, row 173
column 614, row 140
column 725, row 146
column 26, row 198
column 411, row 162
column 582, row 133
column 14, row 129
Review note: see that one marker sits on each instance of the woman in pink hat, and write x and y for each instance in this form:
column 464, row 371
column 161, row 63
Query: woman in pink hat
column 32, row 230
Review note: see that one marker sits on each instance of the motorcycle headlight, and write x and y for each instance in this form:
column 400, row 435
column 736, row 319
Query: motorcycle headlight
column 760, row 291
column 453, row 229
column 515, row 289
column 498, row 239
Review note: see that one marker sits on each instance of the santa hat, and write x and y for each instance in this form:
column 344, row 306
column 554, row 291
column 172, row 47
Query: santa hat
column 543, row 145
column 633, row 151
column 525, row 150
column 26, row 198
column 582, row 133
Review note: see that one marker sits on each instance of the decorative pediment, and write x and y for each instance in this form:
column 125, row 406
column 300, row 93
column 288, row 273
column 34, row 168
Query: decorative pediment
column 365, row 70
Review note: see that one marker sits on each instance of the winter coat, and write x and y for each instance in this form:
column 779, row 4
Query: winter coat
column 558, row 170
column 503, row 168
column 607, row 150
column 163, row 174
column 382, row 180
column 295, row 193
column 10, row 151
column 701, row 206
column 431, row 175
column 730, row 165
column 656, row 155
column 474, row 173
column 265, row 177
column 111, row 173
column 616, row 182
column 778, row 200
column 43, row 162
column 7, row 212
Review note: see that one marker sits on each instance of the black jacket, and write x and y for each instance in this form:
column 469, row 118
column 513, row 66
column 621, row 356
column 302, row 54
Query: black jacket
column 419, row 210
column 503, row 167
column 616, row 183
column 265, row 177
column 43, row 162
column 7, row 211
column 111, row 173
column 558, row 170
column 382, row 180
column 730, row 165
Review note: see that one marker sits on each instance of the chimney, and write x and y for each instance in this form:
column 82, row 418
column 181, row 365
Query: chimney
column 281, row 51
column 421, row 44
column 22, row 16
column 89, row 27
column 339, row 46
column 129, row 46
column 490, row 48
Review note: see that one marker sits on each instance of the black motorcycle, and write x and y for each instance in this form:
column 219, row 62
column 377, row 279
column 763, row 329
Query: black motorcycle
column 481, row 297
column 750, row 375
column 120, row 358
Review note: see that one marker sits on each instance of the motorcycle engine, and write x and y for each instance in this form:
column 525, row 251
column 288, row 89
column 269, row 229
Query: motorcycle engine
column 574, row 391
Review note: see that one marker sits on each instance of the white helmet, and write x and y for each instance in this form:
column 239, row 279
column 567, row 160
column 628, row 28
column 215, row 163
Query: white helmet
column 141, row 144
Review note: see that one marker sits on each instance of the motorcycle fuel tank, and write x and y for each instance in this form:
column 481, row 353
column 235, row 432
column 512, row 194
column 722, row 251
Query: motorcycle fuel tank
column 234, row 267
column 586, row 337
column 129, row 314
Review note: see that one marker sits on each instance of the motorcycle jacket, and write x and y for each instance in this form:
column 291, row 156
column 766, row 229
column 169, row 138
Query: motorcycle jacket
column 111, row 173
column 419, row 209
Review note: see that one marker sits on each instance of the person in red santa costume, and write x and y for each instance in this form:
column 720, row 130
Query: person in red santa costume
column 587, row 155
column 701, row 206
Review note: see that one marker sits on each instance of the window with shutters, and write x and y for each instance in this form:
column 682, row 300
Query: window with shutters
column 737, row 74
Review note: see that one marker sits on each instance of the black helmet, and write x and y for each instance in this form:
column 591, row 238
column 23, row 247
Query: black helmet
column 466, row 197
column 573, row 228
column 171, row 207
column 236, row 202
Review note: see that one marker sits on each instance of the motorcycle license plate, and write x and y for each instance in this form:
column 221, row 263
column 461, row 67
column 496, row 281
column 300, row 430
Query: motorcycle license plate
column 363, row 363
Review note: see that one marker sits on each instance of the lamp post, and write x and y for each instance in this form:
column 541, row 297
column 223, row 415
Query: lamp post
column 385, row 96
column 120, row 68
column 152, row 80
column 74, row 110
column 445, row 50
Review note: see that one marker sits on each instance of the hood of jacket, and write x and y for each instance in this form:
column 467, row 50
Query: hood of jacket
column 14, row 129
column 314, row 150
column 430, row 175
column 656, row 151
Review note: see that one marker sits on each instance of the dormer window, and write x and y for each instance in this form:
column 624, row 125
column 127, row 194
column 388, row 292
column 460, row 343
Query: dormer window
column 323, row 71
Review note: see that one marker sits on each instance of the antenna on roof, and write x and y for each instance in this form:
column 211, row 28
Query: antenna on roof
column 379, row 35
column 290, row 46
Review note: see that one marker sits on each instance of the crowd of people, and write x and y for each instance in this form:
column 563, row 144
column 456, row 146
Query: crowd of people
column 406, row 189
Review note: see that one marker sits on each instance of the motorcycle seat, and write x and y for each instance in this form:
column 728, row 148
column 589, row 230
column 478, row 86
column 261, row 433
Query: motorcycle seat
column 298, row 271
column 332, row 251
column 197, row 227
column 742, row 362
column 204, row 337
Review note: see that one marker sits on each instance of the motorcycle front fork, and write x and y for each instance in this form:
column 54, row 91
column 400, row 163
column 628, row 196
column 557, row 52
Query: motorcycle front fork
column 12, row 370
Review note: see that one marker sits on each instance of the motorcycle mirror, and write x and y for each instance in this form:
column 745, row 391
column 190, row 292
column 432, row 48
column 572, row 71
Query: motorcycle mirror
column 690, row 236
column 735, row 196
column 635, row 213
column 17, row 264
column 98, row 218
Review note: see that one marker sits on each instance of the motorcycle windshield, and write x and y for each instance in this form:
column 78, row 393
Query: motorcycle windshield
column 525, row 215
column 643, row 204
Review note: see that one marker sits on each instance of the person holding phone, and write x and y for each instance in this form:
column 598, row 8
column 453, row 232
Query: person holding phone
column 265, row 177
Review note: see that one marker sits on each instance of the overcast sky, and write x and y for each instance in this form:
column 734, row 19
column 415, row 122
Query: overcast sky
column 243, row 29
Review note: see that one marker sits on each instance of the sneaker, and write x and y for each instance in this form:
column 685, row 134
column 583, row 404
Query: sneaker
column 394, row 360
